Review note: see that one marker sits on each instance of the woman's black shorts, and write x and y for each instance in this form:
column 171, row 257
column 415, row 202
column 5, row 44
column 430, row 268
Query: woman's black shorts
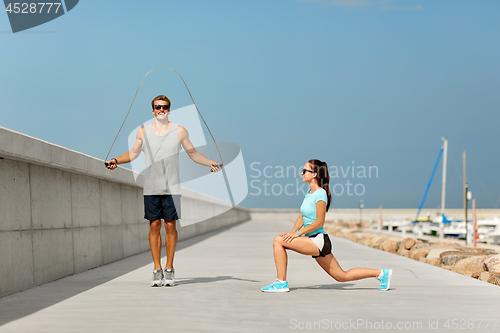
column 323, row 243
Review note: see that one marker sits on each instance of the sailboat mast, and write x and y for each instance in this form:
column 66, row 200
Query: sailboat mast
column 443, row 190
column 465, row 201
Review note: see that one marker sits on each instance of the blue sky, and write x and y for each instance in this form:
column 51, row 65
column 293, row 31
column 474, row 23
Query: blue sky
column 374, row 82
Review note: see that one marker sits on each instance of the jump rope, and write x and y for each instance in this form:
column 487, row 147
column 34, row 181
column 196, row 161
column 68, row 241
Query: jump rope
column 199, row 113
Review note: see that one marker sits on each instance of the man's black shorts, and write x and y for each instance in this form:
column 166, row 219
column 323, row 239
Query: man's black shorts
column 166, row 207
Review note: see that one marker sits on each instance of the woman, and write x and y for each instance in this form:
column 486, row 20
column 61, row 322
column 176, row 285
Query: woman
column 308, row 236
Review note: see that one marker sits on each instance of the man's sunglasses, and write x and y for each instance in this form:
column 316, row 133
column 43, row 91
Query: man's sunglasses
column 305, row 170
column 165, row 107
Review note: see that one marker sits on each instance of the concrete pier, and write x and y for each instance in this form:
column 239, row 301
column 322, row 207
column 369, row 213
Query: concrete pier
column 219, row 278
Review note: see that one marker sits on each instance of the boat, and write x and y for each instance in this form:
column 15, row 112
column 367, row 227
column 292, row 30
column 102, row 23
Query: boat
column 451, row 227
column 488, row 230
column 422, row 225
column 397, row 224
column 494, row 236
column 455, row 229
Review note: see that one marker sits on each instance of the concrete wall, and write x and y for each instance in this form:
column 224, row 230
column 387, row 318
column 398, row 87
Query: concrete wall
column 62, row 212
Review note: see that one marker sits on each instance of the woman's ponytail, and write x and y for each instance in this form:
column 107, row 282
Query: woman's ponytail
column 323, row 178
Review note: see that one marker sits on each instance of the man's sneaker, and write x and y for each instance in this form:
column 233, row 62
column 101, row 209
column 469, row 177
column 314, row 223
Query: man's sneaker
column 169, row 279
column 385, row 279
column 157, row 280
column 276, row 287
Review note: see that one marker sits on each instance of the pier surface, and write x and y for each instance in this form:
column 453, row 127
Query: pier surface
column 219, row 276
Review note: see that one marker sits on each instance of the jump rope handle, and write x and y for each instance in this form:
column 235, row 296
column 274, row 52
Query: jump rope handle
column 217, row 166
column 108, row 164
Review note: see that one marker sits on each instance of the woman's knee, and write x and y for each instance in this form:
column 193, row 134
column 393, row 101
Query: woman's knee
column 278, row 241
column 341, row 277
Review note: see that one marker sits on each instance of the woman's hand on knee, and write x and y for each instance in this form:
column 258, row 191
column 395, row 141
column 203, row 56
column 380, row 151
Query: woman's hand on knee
column 289, row 236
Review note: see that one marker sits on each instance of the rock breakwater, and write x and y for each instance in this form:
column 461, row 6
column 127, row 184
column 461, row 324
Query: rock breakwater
column 478, row 263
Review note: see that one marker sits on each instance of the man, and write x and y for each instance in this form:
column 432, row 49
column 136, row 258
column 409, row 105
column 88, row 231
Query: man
column 161, row 142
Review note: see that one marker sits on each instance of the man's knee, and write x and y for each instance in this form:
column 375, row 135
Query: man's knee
column 155, row 225
column 170, row 227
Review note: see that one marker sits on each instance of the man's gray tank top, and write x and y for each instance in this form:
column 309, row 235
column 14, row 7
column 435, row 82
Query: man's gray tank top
column 162, row 161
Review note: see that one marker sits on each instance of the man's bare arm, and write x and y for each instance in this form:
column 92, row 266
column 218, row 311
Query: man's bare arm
column 130, row 155
column 195, row 155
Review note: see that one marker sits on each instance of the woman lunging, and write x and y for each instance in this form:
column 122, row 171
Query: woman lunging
column 308, row 236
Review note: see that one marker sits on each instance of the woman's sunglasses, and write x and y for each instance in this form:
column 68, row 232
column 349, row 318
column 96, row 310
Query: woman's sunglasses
column 305, row 170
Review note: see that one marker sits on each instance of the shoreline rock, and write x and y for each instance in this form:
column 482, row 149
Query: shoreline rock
column 481, row 264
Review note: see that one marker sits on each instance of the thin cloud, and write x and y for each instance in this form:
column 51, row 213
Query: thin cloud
column 361, row 4
column 393, row 5
column 341, row 3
